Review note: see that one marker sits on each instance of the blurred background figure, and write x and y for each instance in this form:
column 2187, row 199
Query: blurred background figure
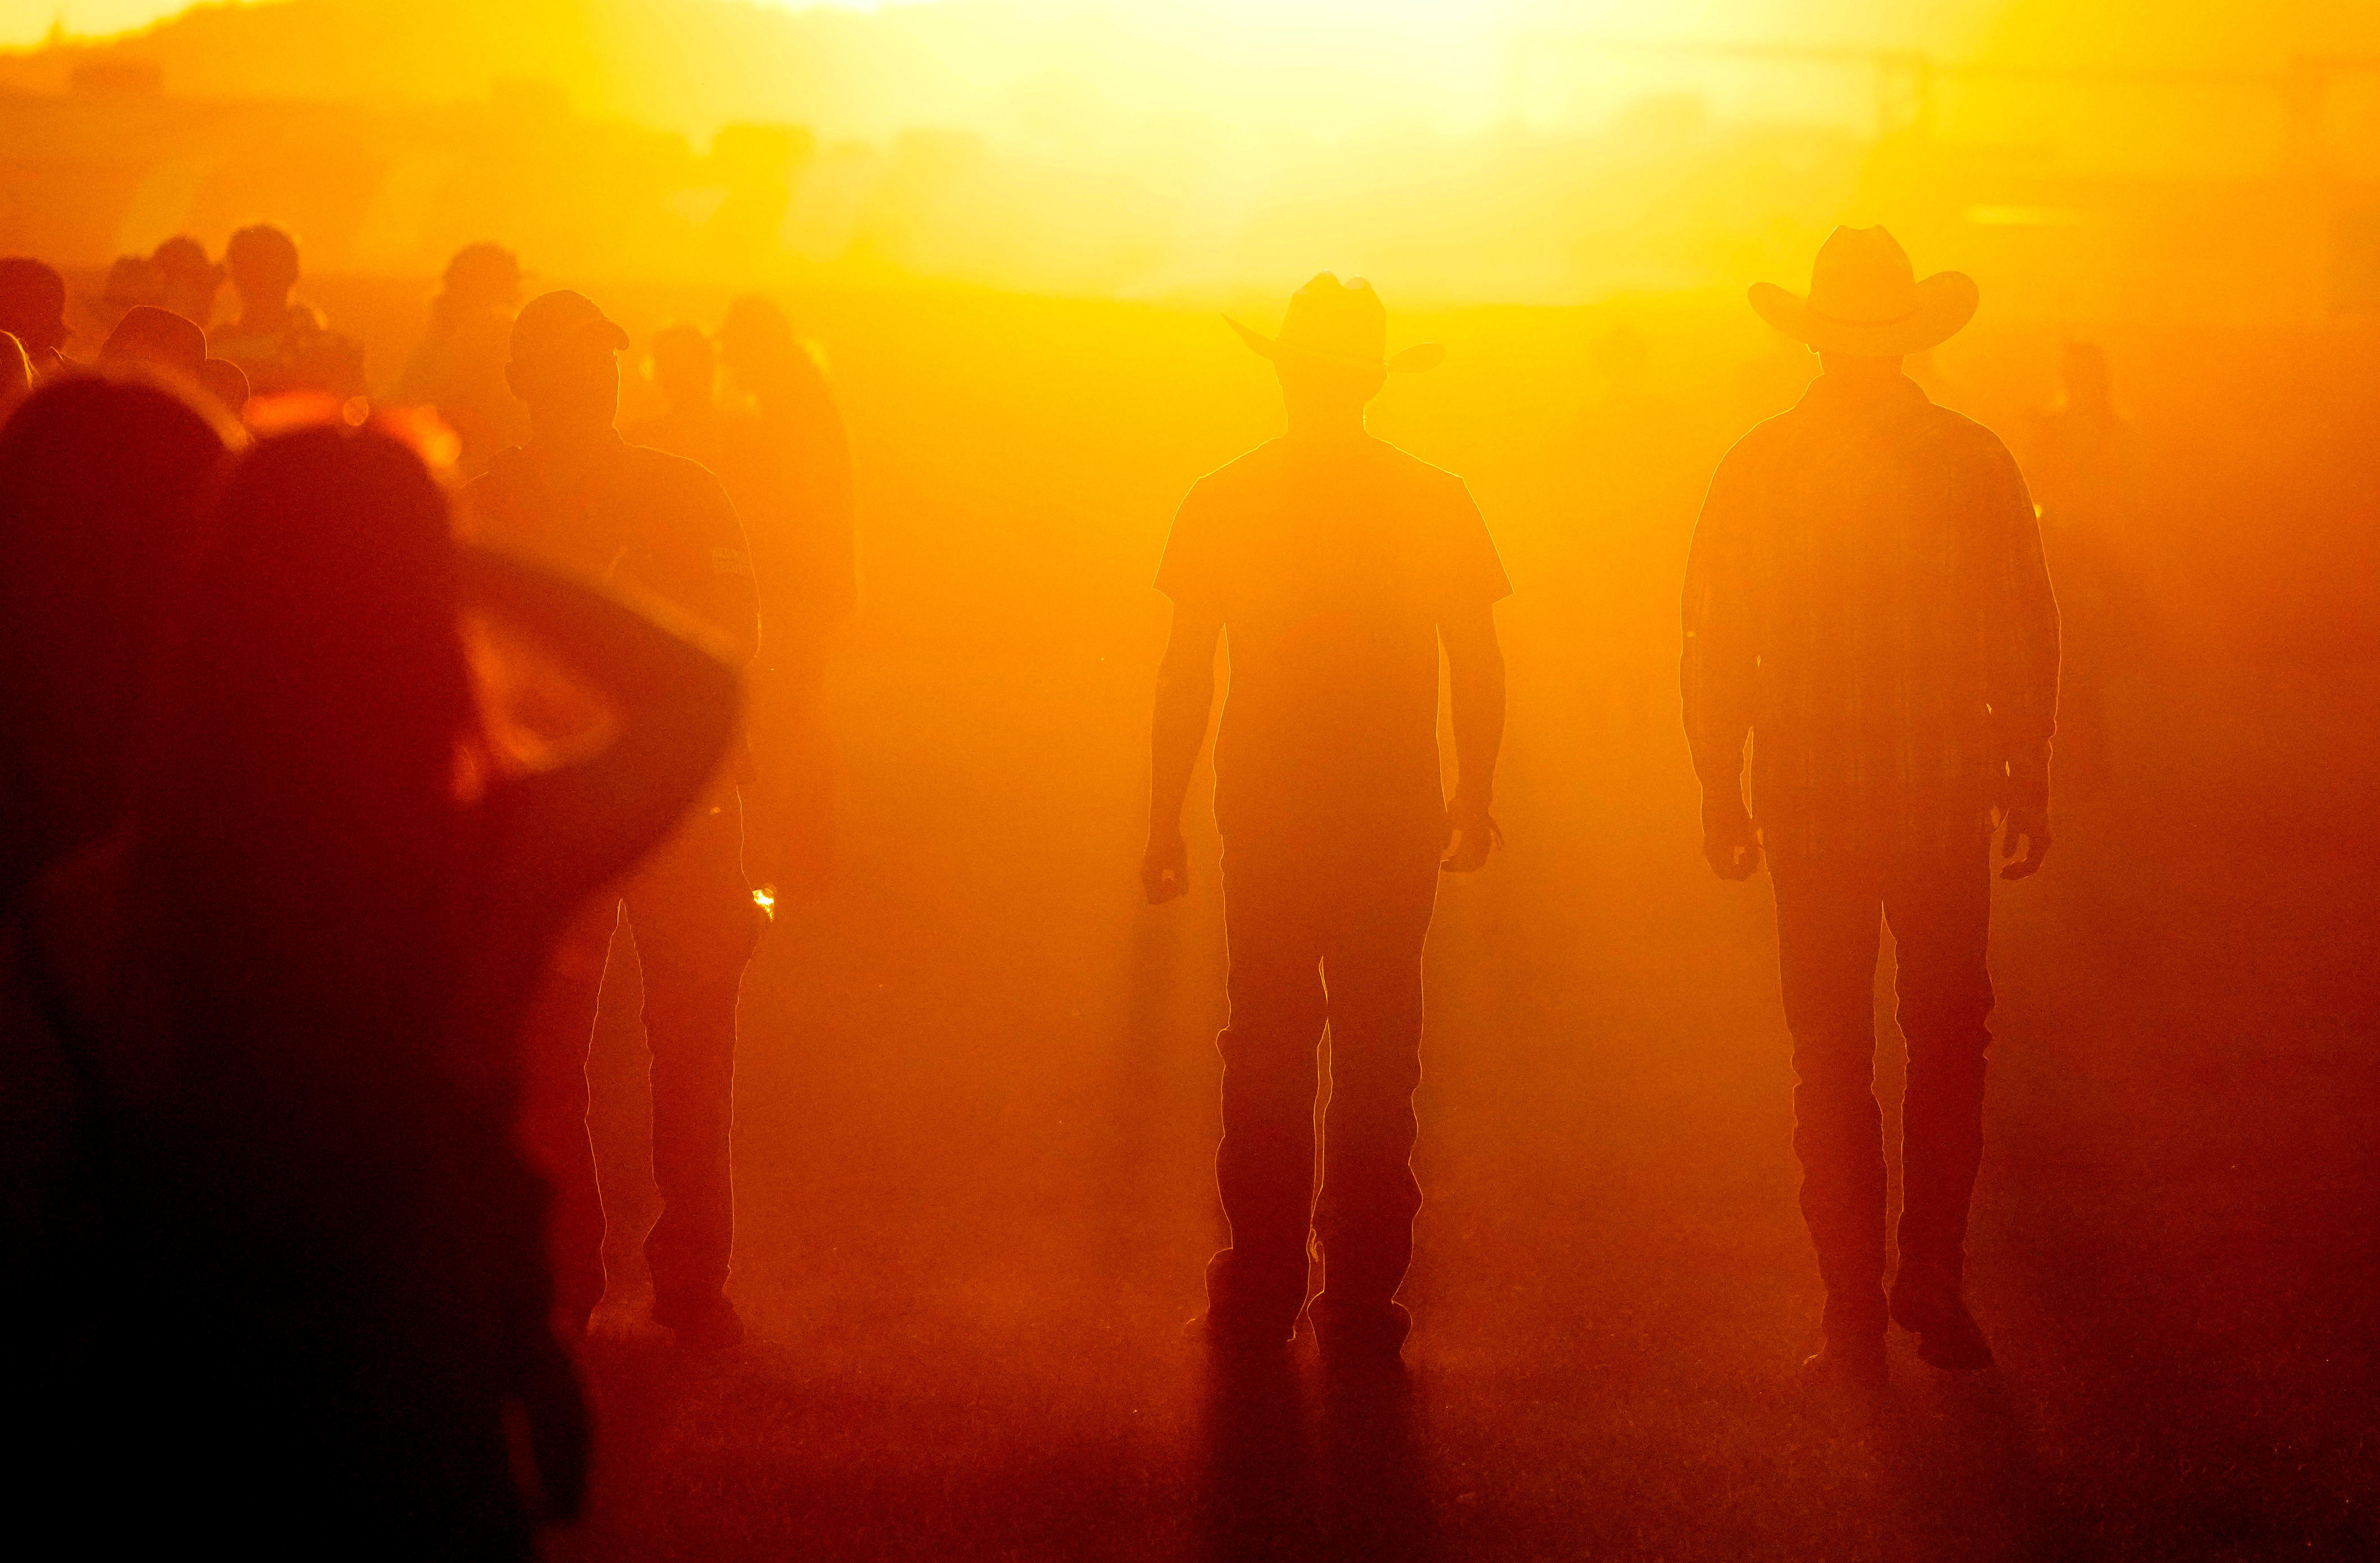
column 458, row 367
column 798, row 518
column 100, row 481
column 190, row 281
column 2085, row 479
column 158, row 338
column 683, row 367
column 264, row 1084
column 163, row 341
column 33, row 311
column 133, row 282
column 279, row 343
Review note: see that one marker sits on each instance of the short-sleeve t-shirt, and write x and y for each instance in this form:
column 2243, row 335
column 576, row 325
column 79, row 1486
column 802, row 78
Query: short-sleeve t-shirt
column 1332, row 564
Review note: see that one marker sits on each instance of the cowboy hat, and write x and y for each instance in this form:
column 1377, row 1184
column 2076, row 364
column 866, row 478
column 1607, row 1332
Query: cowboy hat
column 1345, row 325
column 1865, row 300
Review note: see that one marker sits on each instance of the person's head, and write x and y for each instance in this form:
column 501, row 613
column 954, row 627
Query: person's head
column 191, row 280
column 755, row 338
column 158, row 338
column 262, row 263
column 565, row 364
column 318, row 686
column 2089, row 382
column 685, row 368
column 132, row 281
column 481, row 277
column 1331, row 356
column 101, row 484
column 33, row 306
column 1866, row 308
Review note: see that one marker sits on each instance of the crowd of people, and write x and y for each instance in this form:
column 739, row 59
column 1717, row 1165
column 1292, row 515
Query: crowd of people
column 340, row 739
column 336, row 738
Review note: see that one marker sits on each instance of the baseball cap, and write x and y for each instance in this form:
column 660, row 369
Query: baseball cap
column 552, row 322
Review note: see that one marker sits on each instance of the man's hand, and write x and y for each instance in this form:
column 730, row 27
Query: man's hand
column 1730, row 842
column 1475, row 835
column 2027, row 823
column 1165, row 867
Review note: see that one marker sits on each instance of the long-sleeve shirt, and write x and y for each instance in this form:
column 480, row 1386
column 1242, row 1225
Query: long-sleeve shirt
column 1866, row 599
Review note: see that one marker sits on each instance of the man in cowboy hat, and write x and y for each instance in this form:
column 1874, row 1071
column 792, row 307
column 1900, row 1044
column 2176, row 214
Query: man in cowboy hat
column 1866, row 599
column 579, row 496
column 1339, row 565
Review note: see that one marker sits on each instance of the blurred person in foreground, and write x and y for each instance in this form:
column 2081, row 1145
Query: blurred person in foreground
column 458, row 367
column 581, row 496
column 100, row 485
column 33, row 311
column 785, row 462
column 280, row 343
column 1865, row 599
column 1337, row 565
column 262, row 1070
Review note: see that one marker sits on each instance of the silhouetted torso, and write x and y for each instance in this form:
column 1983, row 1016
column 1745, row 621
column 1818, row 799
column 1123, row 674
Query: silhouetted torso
column 1332, row 564
column 1868, row 598
column 643, row 515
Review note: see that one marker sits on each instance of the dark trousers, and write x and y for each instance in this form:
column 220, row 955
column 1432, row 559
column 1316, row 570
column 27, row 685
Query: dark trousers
column 1316, row 939
column 695, row 926
column 1937, row 899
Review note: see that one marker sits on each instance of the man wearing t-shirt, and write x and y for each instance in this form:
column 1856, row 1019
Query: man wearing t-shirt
column 1339, row 566
column 580, row 497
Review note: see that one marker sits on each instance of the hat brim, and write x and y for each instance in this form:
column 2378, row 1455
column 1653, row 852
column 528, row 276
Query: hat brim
column 1422, row 356
column 1946, row 302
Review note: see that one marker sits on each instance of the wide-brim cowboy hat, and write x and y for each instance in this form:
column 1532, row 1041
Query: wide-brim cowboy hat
column 1342, row 324
column 1865, row 300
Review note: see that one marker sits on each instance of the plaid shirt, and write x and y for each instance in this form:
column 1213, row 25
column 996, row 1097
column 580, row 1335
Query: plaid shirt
column 1866, row 597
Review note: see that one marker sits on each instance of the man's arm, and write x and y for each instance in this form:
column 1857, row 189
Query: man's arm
column 2024, row 693
column 1474, row 666
column 1716, row 673
column 1185, row 699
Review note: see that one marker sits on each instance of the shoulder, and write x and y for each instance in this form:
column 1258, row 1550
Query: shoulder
column 1409, row 471
column 1242, row 472
column 1969, row 441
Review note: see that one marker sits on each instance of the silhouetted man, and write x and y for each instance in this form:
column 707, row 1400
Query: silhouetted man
column 580, row 496
column 2085, row 475
column 458, row 367
column 1338, row 564
column 279, row 343
column 1866, row 599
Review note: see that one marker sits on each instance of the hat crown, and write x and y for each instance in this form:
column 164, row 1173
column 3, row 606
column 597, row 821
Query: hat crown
column 554, row 320
column 1862, row 277
column 1340, row 320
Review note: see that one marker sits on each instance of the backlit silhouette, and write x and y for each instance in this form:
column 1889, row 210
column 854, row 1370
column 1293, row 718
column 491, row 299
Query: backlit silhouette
column 1335, row 565
column 580, row 497
column 280, row 343
column 1867, row 601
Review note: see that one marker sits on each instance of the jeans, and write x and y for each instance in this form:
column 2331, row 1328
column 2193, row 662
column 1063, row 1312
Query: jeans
column 1316, row 938
column 695, row 925
column 1936, row 896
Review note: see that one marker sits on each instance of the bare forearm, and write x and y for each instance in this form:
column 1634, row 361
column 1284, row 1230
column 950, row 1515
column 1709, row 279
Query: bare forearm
column 1186, row 699
column 1478, row 720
